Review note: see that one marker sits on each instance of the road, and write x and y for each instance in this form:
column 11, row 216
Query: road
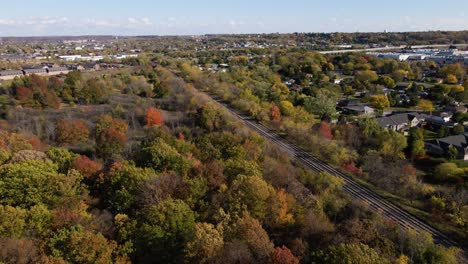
column 390, row 48
column 356, row 190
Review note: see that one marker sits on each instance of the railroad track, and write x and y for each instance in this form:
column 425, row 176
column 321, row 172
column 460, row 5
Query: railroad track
column 356, row 190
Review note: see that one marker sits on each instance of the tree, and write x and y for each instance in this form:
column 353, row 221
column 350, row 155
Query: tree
column 163, row 157
column 447, row 171
column 154, row 117
column 209, row 118
column 287, row 108
column 94, row 92
column 386, row 81
column 452, row 153
column 33, row 182
column 409, row 182
column 425, row 105
column 111, row 137
column 367, row 76
column 165, row 230
column 253, row 194
column 393, row 145
column 275, row 113
column 349, row 254
column 205, row 243
column 77, row 245
column 251, row 232
column 380, row 102
column 21, row 251
column 416, row 142
column 12, row 221
column 443, row 132
column 459, row 129
column 282, row 255
column 451, row 79
column 122, row 184
column 86, row 166
column 62, row 157
column 71, row 132
column 323, row 104
column 325, row 130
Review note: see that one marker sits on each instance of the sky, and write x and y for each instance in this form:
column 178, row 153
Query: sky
column 195, row 17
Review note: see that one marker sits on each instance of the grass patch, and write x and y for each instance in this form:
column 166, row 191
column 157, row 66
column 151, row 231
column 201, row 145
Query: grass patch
column 430, row 135
column 461, row 163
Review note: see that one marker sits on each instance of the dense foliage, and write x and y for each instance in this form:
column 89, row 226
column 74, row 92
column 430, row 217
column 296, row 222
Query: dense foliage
column 139, row 166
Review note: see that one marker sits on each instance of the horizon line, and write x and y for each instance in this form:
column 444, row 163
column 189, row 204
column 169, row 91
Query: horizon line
column 218, row 34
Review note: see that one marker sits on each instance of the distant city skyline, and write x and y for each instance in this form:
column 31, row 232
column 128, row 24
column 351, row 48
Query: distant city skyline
column 178, row 17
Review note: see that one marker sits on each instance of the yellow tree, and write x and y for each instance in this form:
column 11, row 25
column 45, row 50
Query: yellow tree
column 380, row 102
column 425, row 105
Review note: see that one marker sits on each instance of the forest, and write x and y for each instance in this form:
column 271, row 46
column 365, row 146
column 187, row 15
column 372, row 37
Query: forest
column 140, row 166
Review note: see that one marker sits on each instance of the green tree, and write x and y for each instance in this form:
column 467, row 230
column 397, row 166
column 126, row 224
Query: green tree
column 32, row 182
column 393, row 144
column 452, row 153
column 416, row 142
column 349, row 254
column 123, row 183
column 323, row 104
column 386, row 81
column 253, row 194
column 459, row 129
column 77, row 245
column 12, row 221
column 447, row 171
column 163, row 157
column 165, row 230
column 287, row 108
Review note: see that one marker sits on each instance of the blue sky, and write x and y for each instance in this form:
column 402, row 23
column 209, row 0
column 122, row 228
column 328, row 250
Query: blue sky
column 184, row 17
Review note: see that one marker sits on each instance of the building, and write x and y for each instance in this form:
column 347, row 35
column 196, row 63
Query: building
column 359, row 110
column 441, row 146
column 401, row 122
column 10, row 75
column 395, row 56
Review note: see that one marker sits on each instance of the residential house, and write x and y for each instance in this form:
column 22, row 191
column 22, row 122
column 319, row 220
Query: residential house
column 440, row 146
column 440, row 119
column 359, row 110
column 401, row 122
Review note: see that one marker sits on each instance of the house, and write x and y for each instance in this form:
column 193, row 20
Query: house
column 349, row 102
column 440, row 146
column 359, row 110
column 439, row 121
column 456, row 109
column 400, row 122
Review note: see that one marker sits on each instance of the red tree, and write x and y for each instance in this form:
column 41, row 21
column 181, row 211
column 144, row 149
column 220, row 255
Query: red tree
column 275, row 113
column 154, row 117
column 181, row 136
column 86, row 166
column 325, row 130
column 282, row 255
column 351, row 168
column 23, row 94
